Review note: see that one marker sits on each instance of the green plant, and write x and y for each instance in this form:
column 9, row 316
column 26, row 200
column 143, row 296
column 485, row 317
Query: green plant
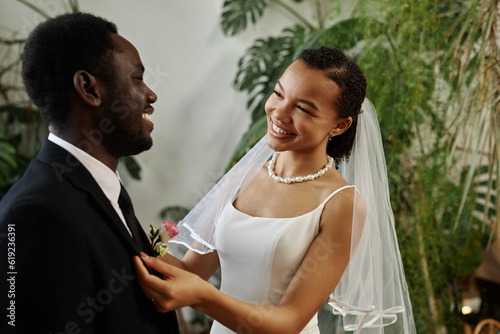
column 408, row 51
column 21, row 128
column 475, row 75
column 265, row 61
column 8, row 163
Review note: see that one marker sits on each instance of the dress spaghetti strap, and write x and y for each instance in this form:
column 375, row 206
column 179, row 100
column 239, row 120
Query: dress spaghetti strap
column 335, row 192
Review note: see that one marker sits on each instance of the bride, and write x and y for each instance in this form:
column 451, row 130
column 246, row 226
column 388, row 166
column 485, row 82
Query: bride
column 311, row 224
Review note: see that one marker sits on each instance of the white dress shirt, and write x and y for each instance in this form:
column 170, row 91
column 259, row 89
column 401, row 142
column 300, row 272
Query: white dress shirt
column 108, row 180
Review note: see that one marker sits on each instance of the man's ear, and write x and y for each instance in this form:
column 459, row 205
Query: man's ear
column 341, row 126
column 88, row 88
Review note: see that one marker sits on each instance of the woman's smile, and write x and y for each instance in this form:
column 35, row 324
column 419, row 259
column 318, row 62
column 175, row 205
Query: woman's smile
column 277, row 129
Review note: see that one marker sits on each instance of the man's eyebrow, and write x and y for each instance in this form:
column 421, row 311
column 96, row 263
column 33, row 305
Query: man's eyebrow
column 140, row 67
column 309, row 103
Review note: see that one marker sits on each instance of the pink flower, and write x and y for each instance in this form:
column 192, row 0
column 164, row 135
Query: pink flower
column 168, row 230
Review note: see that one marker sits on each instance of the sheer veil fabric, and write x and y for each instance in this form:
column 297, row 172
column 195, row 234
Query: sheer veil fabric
column 372, row 295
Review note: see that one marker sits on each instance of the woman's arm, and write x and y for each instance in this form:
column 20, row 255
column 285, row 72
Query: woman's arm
column 202, row 265
column 310, row 287
column 181, row 288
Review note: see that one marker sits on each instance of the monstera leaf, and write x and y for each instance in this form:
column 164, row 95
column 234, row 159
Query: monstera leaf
column 237, row 13
column 262, row 65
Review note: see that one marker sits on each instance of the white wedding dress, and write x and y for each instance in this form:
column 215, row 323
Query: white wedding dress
column 259, row 257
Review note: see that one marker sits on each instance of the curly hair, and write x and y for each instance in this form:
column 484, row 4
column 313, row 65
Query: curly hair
column 352, row 83
column 55, row 50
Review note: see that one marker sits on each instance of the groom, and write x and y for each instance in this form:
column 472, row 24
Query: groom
column 67, row 227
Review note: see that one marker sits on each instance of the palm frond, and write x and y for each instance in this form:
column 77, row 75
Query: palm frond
column 35, row 8
column 475, row 135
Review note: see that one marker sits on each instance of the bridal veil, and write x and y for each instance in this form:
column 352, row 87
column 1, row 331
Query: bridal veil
column 372, row 295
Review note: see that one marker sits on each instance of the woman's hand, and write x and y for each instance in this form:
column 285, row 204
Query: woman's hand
column 179, row 288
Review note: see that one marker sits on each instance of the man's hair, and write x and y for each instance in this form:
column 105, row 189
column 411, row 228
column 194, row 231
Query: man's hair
column 352, row 83
column 55, row 50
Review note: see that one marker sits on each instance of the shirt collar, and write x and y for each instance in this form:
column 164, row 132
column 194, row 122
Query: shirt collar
column 107, row 179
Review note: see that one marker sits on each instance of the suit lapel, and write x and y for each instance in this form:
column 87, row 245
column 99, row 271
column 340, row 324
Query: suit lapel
column 67, row 167
column 113, row 220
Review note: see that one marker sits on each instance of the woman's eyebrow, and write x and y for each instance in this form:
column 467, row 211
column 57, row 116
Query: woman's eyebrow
column 309, row 103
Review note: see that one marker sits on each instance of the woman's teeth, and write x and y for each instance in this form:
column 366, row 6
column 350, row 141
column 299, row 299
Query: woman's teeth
column 280, row 130
column 146, row 116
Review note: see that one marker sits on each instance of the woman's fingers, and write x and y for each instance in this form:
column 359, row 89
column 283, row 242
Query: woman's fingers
column 150, row 285
column 167, row 294
column 142, row 272
column 142, row 276
column 179, row 288
column 158, row 265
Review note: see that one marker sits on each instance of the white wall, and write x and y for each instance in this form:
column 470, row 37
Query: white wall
column 199, row 118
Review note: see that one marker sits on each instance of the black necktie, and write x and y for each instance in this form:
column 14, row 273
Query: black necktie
column 128, row 212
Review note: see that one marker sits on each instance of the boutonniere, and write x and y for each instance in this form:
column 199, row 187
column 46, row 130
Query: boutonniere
column 160, row 236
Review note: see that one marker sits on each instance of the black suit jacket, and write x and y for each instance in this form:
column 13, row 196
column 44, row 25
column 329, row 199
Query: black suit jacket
column 72, row 271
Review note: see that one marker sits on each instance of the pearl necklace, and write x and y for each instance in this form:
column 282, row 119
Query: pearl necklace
column 297, row 179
